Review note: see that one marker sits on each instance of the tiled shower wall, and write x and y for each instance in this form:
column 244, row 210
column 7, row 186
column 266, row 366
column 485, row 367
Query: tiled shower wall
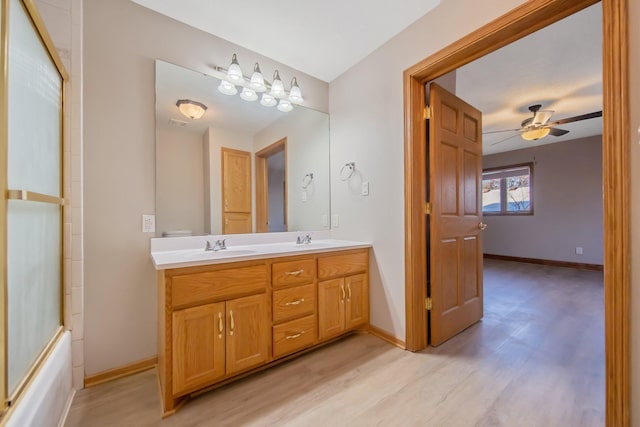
column 63, row 19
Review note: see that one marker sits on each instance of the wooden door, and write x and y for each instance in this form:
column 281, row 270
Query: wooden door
column 357, row 307
column 331, row 310
column 236, row 191
column 198, row 347
column 455, row 174
column 247, row 333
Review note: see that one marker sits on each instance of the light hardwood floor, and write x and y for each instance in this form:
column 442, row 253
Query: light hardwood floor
column 536, row 359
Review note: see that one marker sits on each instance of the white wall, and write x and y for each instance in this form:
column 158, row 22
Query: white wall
column 121, row 42
column 367, row 128
column 179, row 181
column 567, row 186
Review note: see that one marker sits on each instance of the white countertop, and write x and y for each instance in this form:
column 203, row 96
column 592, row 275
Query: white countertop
column 164, row 259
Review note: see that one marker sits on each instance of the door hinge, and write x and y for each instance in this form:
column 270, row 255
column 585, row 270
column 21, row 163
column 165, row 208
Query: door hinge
column 427, row 113
column 427, row 208
column 427, row 304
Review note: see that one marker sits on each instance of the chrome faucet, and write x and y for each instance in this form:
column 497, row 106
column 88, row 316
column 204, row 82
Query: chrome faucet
column 217, row 246
column 304, row 240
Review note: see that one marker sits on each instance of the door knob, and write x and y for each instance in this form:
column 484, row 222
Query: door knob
column 482, row 226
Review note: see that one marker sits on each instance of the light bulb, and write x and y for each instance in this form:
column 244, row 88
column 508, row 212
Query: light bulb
column 285, row 106
column 227, row 88
column 257, row 81
column 234, row 73
column 277, row 87
column 295, row 95
column 268, row 100
column 248, row 94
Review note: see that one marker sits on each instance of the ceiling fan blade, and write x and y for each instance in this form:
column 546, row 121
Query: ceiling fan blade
column 577, row 118
column 541, row 117
column 558, row 132
column 503, row 140
column 504, row 130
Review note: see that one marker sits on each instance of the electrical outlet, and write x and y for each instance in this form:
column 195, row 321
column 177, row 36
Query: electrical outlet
column 148, row 223
column 325, row 221
column 578, row 250
column 335, row 221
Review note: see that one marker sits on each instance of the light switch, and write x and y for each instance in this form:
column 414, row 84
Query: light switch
column 365, row 188
column 335, row 222
column 304, row 196
column 325, row 221
column 148, row 223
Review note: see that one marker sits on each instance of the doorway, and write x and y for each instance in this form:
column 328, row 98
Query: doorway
column 271, row 187
column 524, row 20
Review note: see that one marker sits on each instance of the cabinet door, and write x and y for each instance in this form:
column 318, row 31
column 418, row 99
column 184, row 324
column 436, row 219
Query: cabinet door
column 357, row 307
column 331, row 300
column 198, row 347
column 248, row 333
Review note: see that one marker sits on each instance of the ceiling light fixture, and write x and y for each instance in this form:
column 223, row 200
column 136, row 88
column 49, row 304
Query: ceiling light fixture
column 192, row 109
column 535, row 134
column 232, row 79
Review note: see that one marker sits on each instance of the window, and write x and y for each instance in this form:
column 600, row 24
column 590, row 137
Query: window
column 508, row 190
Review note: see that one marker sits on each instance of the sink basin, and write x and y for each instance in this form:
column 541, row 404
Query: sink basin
column 225, row 253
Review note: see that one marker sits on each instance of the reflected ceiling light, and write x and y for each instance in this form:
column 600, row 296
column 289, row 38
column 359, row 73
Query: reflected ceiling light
column 227, row 88
column 232, row 80
column 192, row 109
column 268, row 100
column 248, row 94
column 295, row 94
column 277, row 87
column 285, row 105
column 257, row 81
column 535, row 134
column 234, row 73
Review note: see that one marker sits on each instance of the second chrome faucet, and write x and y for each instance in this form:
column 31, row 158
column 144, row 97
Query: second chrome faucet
column 217, row 245
column 304, row 240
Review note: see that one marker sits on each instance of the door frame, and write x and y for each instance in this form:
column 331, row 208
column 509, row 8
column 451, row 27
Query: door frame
column 262, row 185
column 519, row 22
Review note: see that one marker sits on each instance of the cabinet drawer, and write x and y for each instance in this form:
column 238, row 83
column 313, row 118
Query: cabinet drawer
column 293, row 272
column 219, row 284
column 293, row 336
column 294, row 302
column 342, row 265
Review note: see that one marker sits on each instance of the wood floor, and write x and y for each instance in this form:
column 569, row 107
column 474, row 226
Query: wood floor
column 536, row 359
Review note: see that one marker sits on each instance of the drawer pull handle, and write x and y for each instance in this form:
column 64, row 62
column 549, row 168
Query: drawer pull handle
column 349, row 289
column 296, row 302
column 233, row 322
column 294, row 336
column 294, row 273
column 343, row 294
column 220, row 326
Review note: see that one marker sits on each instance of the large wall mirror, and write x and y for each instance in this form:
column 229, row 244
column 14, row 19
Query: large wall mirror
column 241, row 167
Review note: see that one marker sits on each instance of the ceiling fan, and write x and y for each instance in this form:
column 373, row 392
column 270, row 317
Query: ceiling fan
column 538, row 126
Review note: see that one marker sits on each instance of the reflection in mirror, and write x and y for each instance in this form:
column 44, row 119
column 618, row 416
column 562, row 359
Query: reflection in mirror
column 241, row 167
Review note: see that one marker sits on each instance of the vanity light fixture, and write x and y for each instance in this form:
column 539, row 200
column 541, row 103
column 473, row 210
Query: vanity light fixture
column 192, row 109
column 232, row 79
column 535, row 134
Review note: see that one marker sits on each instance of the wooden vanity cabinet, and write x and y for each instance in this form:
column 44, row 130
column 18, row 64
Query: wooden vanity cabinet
column 218, row 322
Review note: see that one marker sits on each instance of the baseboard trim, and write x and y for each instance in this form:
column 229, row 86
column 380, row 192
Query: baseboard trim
column 386, row 336
column 67, row 408
column 123, row 371
column 567, row 264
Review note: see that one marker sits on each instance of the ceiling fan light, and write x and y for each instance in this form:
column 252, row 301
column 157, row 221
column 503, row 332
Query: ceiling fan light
column 268, row 100
column 227, row 88
column 234, row 73
column 295, row 94
column 248, row 94
column 192, row 109
column 257, row 80
column 277, row 87
column 285, row 106
column 535, row 134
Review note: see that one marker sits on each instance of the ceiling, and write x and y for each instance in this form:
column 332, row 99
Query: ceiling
column 301, row 34
column 559, row 67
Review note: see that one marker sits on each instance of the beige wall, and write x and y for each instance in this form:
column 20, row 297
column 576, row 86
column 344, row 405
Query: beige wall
column 567, row 185
column 121, row 42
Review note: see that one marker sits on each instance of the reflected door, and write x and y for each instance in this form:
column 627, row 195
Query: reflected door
column 236, row 191
column 455, row 162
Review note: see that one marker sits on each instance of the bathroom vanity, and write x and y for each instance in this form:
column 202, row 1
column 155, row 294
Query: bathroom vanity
column 225, row 314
